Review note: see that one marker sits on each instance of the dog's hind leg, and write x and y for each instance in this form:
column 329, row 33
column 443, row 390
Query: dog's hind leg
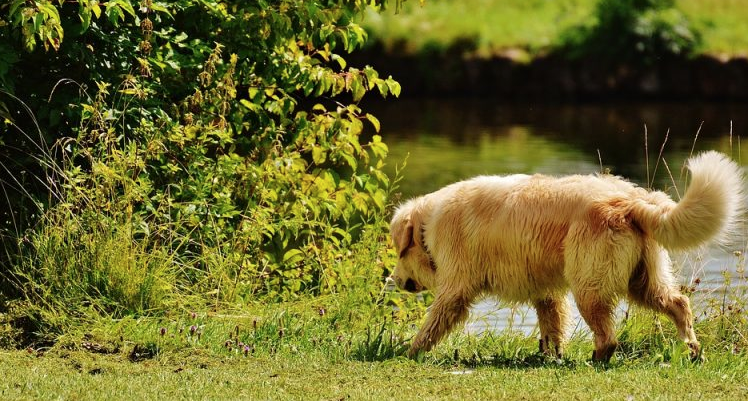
column 448, row 309
column 652, row 286
column 677, row 307
column 597, row 311
column 600, row 254
column 553, row 320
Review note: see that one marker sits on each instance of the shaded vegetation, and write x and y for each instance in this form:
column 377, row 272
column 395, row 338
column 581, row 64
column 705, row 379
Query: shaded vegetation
column 204, row 153
column 632, row 31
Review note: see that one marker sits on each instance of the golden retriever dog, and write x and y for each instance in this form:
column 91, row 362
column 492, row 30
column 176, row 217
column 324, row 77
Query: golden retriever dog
column 534, row 238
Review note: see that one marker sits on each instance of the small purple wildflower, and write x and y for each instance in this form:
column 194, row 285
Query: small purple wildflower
column 193, row 329
column 246, row 350
column 193, row 315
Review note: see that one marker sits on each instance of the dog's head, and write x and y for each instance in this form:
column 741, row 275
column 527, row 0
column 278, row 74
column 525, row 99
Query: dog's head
column 415, row 270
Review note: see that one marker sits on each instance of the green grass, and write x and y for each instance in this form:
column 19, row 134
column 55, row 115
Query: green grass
column 83, row 376
column 724, row 24
column 336, row 347
column 523, row 28
column 494, row 25
column 200, row 372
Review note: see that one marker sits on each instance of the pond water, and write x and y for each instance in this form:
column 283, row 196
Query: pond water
column 442, row 141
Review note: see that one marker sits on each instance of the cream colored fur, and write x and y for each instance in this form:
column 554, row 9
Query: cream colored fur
column 535, row 238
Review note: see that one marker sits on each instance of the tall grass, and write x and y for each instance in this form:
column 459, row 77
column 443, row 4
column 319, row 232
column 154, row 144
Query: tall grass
column 80, row 264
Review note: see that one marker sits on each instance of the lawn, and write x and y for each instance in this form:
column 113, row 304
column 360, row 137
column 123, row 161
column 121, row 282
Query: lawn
column 303, row 351
column 81, row 375
column 532, row 26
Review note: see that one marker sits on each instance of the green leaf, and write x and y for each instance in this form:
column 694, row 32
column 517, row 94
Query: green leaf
column 161, row 8
column 393, row 86
column 252, row 106
column 95, row 8
column 338, row 85
column 85, row 17
column 372, row 76
column 125, row 5
column 114, row 12
column 361, row 202
column 38, row 21
column 375, row 122
column 325, row 31
column 318, row 155
column 293, row 256
column 344, row 36
column 357, row 89
column 253, row 92
column 379, row 148
column 14, row 6
column 340, row 60
column 49, row 10
column 350, row 160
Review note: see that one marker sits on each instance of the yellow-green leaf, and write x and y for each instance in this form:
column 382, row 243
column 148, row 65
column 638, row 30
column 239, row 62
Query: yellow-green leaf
column 374, row 121
column 318, row 155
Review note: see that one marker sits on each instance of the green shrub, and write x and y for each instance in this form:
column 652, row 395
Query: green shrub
column 220, row 158
column 638, row 31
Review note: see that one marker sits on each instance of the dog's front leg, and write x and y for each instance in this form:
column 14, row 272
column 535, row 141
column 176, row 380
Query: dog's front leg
column 447, row 311
column 553, row 319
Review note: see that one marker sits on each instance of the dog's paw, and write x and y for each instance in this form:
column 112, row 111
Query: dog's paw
column 604, row 354
column 416, row 354
column 695, row 352
column 550, row 350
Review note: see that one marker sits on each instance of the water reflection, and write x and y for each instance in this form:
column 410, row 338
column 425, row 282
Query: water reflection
column 449, row 140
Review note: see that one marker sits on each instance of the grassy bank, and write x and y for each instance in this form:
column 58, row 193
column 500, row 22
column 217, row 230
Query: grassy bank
column 304, row 350
column 81, row 376
column 524, row 28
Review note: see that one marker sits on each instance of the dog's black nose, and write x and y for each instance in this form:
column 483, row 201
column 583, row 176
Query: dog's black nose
column 410, row 285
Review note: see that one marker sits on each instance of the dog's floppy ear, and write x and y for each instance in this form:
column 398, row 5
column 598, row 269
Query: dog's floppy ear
column 405, row 237
column 416, row 226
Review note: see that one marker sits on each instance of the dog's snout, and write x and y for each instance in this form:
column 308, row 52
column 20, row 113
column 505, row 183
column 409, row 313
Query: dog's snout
column 410, row 285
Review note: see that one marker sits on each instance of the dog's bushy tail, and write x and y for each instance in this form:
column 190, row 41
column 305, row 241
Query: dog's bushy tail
column 710, row 209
